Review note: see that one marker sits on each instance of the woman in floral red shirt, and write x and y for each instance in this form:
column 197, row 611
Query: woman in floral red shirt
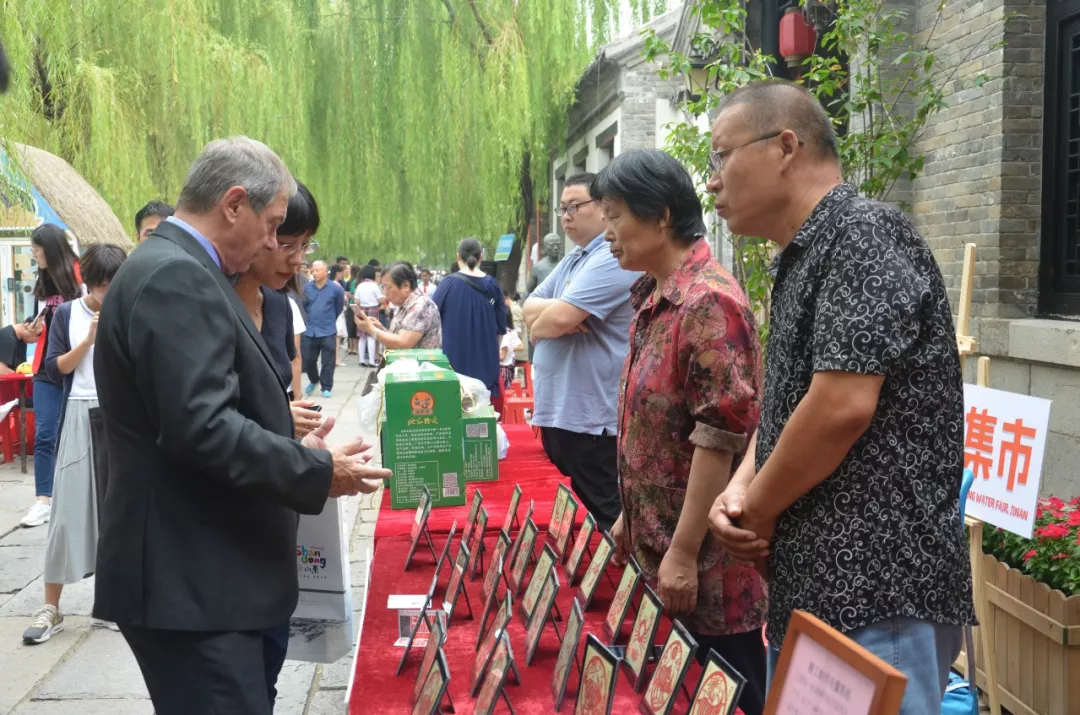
column 690, row 402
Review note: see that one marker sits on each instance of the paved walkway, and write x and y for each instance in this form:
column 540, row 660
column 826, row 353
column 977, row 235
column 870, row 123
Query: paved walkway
column 84, row 671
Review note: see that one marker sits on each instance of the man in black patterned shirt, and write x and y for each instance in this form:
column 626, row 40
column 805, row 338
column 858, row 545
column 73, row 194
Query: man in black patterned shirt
column 849, row 500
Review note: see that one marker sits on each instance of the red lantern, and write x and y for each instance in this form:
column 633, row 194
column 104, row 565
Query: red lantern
column 797, row 39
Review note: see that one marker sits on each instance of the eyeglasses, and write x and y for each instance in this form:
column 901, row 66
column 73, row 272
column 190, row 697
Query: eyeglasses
column 305, row 248
column 716, row 158
column 572, row 208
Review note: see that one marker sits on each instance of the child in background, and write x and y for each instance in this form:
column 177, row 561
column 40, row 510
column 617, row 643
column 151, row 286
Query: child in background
column 510, row 343
column 73, row 529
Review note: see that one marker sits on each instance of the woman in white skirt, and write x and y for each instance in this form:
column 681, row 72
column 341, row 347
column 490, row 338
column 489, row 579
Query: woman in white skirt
column 73, row 528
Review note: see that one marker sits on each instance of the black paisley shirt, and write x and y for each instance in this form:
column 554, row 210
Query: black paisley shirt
column 858, row 290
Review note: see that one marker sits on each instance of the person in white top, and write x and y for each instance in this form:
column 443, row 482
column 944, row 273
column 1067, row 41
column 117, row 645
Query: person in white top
column 426, row 287
column 299, row 326
column 510, row 343
column 70, row 553
column 368, row 296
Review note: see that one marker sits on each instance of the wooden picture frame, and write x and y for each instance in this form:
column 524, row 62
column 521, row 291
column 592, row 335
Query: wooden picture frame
column 567, row 654
column 457, row 585
column 445, row 553
column 670, row 672
column 491, row 598
column 516, row 544
column 476, row 544
column 428, row 597
column 494, row 683
column 621, row 601
column 545, row 601
column 484, row 652
column 599, row 675
column 640, row 648
column 429, row 702
column 718, row 689
column 502, row 617
column 419, row 527
column 511, row 511
column 524, row 555
column 561, row 523
column 581, row 545
column 600, row 560
column 470, row 520
column 816, row 653
column 500, row 552
column 431, row 652
column 544, row 563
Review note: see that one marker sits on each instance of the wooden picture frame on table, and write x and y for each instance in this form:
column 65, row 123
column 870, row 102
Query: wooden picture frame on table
column 445, row 553
column 599, row 675
column 718, row 689
column 501, row 553
column 502, row 617
column 545, row 602
column 456, row 586
column 430, row 700
column 470, row 520
column 476, row 543
column 486, row 648
column 544, row 563
column 422, row 619
column 640, row 650
column 419, row 528
column 567, row 654
column 511, row 512
column 815, row 653
column 581, row 545
column 431, row 652
column 600, row 560
column 566, row 526
column 494, row 683
column 621, row 601
column 515, row 545
column 671, row 669
column 524, row 556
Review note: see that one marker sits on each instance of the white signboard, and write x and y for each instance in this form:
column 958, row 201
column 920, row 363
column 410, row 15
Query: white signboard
column 1004, row 443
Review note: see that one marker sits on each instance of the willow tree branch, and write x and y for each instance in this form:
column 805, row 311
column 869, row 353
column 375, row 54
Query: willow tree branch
column 450, row 12
column 479, row 21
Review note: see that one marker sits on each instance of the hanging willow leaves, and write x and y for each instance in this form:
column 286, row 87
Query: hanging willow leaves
column 409, row 119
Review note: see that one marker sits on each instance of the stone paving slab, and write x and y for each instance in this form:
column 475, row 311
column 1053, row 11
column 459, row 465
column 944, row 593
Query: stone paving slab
column 294, row 687
column 328, row 702
column 77, row 599
column 85, row 707
column 21, row 565
column 36, row 536
column 23, row 666
column 102, row 667
column 15, row 498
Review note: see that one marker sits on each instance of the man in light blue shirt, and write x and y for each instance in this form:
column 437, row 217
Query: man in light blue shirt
column 324, row 300
column 579, row 318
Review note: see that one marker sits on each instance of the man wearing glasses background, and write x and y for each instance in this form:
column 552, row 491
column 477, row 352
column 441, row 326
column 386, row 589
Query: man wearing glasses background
column 579, row 319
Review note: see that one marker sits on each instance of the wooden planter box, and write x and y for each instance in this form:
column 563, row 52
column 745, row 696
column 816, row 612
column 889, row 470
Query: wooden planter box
column 1035, row 636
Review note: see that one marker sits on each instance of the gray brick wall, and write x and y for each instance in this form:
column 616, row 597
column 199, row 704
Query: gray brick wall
column 981, row 182
column 641, row 87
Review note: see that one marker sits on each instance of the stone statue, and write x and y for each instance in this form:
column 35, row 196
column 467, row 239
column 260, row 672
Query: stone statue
column 552, row 250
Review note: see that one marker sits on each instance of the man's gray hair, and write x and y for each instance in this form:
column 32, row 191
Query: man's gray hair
column 319, row 262
column 236, row 161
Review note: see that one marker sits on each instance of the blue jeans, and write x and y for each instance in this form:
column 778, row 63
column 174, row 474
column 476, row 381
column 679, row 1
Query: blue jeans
column 48, row 399
column 921, row 650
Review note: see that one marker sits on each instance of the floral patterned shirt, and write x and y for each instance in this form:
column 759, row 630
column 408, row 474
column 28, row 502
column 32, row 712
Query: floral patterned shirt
column 692, row 379
column 419, row 314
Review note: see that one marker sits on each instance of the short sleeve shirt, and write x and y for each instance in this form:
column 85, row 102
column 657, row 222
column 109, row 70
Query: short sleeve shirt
column 858, row 291
column 420, row 315
column 577, row 375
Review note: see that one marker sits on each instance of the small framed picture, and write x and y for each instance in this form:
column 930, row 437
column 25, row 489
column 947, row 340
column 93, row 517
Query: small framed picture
column 434, row 645
column 456, row 587
column 544, row 563
column 523, row 556
column 598, row 674
column 642, row 636
column 423, row 620
column 620, row 603
column 541, row 611
column 511, row 512
column 476, row 543
column 484, row 653
column 419, row 526
column 567, row 654
column 516, row 545
column 858, row 682
column 445, row 553
column 563, row 513
column 600, row 559
column 670, row 670
column 430, row 699
column 499, row 553
column 584, row 536
column 494, row 682
column 490, row 599
column 719, row 689
column 502, row 617
column 470, row 521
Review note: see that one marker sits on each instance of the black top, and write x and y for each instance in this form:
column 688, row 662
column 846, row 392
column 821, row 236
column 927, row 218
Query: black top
column 277, row 331
column 858, row 291
column 198, row 526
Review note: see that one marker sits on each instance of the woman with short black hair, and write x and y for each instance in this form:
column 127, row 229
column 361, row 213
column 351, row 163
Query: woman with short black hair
column 416, row 323
column 689, row 405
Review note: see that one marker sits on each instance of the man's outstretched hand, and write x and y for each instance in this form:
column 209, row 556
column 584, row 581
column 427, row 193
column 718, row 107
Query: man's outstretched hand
column 352, row 475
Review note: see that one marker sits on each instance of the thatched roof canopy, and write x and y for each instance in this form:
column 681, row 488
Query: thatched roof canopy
column 72, row 198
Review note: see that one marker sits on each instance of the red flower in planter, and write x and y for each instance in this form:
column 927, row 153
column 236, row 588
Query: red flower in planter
column 1029, row 555
column 1053, row 531
column 1055, row 503
column 1060, row 555
column 1075, row 501
column 1074, row 518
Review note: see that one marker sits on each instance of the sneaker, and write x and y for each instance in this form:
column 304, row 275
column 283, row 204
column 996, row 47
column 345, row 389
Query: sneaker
column 47, row 621
column 326, row 393
column 98, row 623
column 310, row 388
column 39, row 514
